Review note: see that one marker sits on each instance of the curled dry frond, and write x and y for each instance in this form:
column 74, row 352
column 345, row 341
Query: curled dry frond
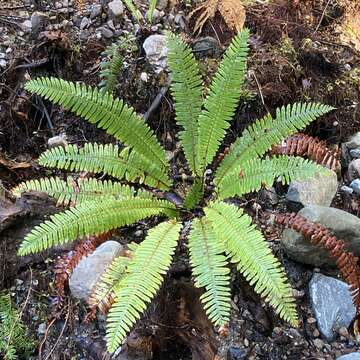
column 320, row 236
column 310, row 147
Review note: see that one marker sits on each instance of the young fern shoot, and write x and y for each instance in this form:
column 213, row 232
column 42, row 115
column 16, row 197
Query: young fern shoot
column 221, row 234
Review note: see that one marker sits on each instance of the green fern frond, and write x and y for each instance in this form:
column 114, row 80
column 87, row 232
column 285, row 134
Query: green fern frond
column 223, row 98
column 209, row 267
column 77, row 191
column 146, row 272
column 255, row 173
column 107, row 159
column 152, row 7
column 107, row 113
column 260, row 136
column 91, row 218
column 249, row 250
column 135, row 12
column 110, row 69
column 195, row 194
column 187, row 91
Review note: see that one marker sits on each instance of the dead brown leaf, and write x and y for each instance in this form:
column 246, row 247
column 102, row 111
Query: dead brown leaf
column 12, row 165
column 232, row 11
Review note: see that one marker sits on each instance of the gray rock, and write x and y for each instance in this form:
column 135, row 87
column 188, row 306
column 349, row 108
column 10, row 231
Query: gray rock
column 236, row 353
column 89, row 270
column 346, row 190
column 58, row 140
column 355, row 185
column 352, row 356
column 179, row 20
column 116, row 9
column 106, row 33
column 332, row 304
column 354, row 142
column 206, row 47
column 269, row 196
column 343, row 225
column 355, row 153
column 3, row 63
column 354, row 170
column 85, row 22
column 319, row 190
column 41, row 329
column 156, row 51
column 26, row 26
column 38, row 20
column 95, row 11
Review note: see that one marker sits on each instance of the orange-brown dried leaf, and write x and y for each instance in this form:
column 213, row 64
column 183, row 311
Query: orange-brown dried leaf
column 234, row 14
column 318, row 235
column 207, row 11
column 311, row 148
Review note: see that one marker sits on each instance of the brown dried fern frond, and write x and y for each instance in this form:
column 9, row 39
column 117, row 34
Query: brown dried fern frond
column 318, row 235
column 66, row 263
column 310, row 147
column 232, row 11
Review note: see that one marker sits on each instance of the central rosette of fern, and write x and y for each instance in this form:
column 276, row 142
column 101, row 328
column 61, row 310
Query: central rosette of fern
column 222, row 235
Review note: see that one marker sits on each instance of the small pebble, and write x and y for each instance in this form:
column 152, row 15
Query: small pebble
column 343, row 331
column 346, row 190
column 246, row 342
column 355, row 153
column 311, row 320
column 316, row 333
column 355, row 185
column 319, row 343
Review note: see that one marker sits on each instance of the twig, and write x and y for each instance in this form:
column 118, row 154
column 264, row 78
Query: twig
column 251, row 72
column 61, row 334
column 51, row 126
column 9, row 22
column 322, row 16
column 32, row 64
column 156, row 102
column 45, row 336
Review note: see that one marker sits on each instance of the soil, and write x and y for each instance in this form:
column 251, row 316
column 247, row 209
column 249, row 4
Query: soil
column 300, row 50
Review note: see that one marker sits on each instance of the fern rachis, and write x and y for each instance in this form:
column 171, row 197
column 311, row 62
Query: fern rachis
column 220, row 233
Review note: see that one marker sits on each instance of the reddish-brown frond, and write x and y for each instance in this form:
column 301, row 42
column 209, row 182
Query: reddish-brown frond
column 310, row 147
column 318, row 235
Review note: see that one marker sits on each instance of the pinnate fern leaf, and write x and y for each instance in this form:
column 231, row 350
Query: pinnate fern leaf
column 257, row 172
column 187, row 91
column 107, row 159
column 223, row 98
column 260, row 136
column 91, row 218
column 248, row 249
column 145, row 274
column 71, row 191
column 209, row 267
column 107, row 113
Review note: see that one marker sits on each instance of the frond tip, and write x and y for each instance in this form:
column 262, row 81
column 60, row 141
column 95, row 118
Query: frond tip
column 248, row 249
column 209, row 267
column 145, row 274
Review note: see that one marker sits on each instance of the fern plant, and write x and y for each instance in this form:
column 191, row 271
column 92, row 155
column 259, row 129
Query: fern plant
column 14, row 340
column 221, row 235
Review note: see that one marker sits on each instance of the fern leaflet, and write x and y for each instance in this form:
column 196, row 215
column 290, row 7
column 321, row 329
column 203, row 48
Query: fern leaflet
column 255, row 173
column 101, row 109
column 260, row 136
column 195, row 194
column 248, row 249
column 146, row 272
column 152, row 6
column 77, row 191
column 107, row 159
column 91, row 218
column 209, row 267
column 187, row 90
column 223, row 98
